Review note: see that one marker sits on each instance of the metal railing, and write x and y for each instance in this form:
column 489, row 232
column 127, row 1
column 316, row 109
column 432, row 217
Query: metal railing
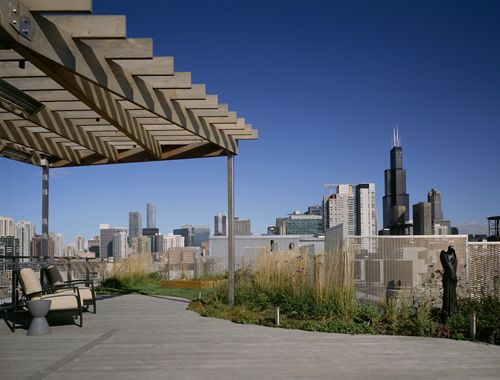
column 72, row 269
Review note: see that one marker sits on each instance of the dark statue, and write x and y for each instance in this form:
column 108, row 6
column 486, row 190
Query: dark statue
column 449, row 262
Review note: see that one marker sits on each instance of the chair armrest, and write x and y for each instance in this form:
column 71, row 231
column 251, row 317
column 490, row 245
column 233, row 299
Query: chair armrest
column 90, row 282
column 66, row 286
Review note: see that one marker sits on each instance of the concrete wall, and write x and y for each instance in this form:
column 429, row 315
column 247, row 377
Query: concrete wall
column 253, row 245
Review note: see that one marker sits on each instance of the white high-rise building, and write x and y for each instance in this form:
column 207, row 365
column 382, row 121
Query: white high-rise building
column 79, row 244
column 365, row 210
column 354, row 206
column 339, row 208
column 6, row 226
column 170, row 241
column 24, row 231
column 58, row 240
column 120, row 245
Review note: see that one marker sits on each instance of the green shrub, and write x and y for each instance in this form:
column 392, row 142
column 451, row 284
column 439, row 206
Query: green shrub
column 487, row 311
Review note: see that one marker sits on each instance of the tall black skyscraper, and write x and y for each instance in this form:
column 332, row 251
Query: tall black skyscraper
column 396, row 200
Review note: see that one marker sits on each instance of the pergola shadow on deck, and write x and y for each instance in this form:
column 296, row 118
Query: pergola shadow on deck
column 143, row 337
column 74, row 90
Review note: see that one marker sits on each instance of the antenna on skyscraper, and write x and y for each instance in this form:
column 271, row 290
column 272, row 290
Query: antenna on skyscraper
column 395, row 137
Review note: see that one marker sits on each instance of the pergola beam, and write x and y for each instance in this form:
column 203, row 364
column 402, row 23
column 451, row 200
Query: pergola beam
column 98, row 97
column 86, row 26
column 59, row 5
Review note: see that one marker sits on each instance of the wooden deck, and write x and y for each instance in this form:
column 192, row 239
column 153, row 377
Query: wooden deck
column 140, row 337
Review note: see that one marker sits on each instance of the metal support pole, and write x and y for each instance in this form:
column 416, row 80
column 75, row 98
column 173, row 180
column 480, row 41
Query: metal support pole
column 45, row 211
column 87, row 272
column 230, row 228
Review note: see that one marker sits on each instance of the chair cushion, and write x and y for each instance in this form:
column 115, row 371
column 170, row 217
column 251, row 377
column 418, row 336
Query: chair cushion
column 30, row 281
column 53, row 275
column 85, row 293
column 60, row 301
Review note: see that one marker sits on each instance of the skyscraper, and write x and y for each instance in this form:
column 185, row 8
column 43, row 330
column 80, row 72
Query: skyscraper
column 106, row 237
column 396, row 200
column 25, row 232
column 120, row 245
column 220, row 225
column 134, row 226
column 434, row 198
column 10, row 245
column 200, row 235
column 152, row 233
column 242, row 227
column 94, row 245
column 6, row 226
column 170, row 241
column 186, row 231
column 365, row 209
column 79, row 244
column 338, row 208
column 422, row 222
column 440, row 225
column 58, row 240
column 151, row 215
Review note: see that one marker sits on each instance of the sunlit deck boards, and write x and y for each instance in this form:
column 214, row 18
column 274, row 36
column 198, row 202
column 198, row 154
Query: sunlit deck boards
column 141, row 337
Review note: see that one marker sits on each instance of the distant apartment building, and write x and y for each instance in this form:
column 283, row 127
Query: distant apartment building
column 120, row 245
column 106, row 236
column 200, row 235
column 354, row 206
column 194, row 236
column 7, row 226
column 24, row 231
column 339, row 208
column 151, row 215
column 170, row 241
column 9, row 246
column 152, row 233
column 36, row 246
column 242, row 227
column 94, row 245
column 365, row 210
column 304, row 224
column 186, row 231
column 69, row 251
column 58, row 240
column 79, row 244
column 141, row 244
column 297, row 223
column 422, row 218
column 134, row 225
column 220, row 225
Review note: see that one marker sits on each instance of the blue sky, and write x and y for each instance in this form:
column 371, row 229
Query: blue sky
column 324, row 82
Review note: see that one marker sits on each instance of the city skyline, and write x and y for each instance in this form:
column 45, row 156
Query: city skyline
column 441, row 91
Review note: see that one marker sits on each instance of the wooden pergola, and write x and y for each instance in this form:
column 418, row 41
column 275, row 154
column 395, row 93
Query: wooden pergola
column 75, row 91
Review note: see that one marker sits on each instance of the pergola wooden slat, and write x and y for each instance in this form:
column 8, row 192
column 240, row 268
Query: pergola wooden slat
column 83, row 72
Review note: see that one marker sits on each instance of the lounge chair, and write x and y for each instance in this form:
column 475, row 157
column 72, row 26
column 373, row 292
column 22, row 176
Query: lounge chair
column 32, row 290
column 58, row 286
